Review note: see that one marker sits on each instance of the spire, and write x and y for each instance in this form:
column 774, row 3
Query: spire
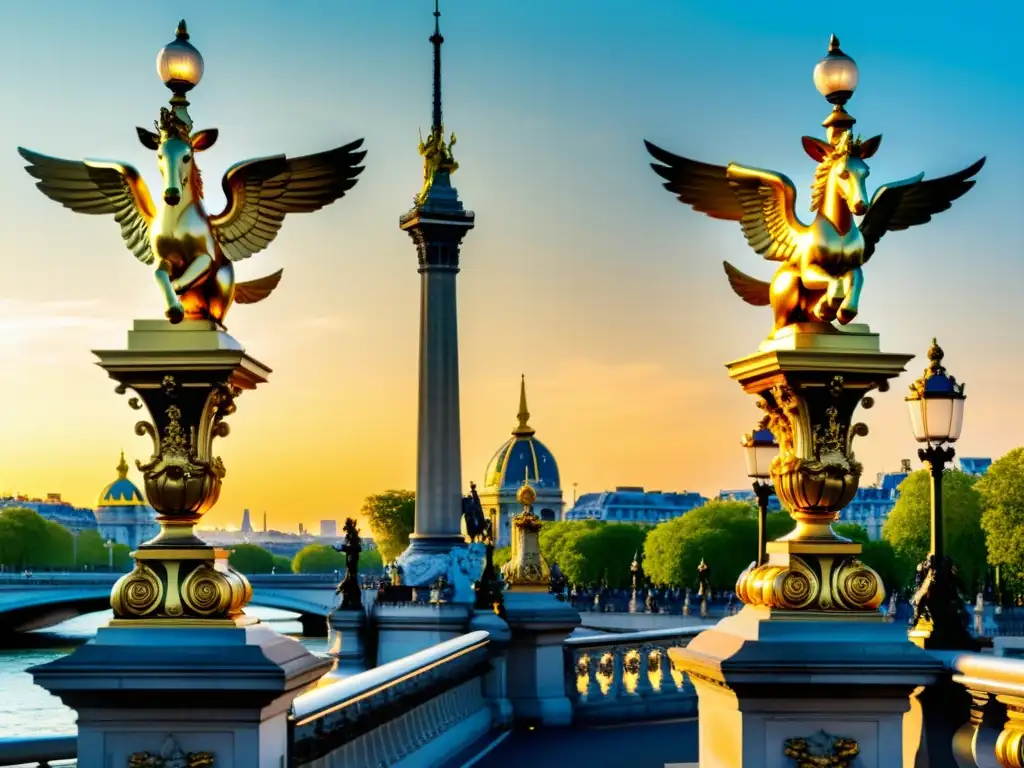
column 122, row 468
column 523, row 429
column 437, row 39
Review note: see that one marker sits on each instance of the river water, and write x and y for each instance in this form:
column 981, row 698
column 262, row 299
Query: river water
column 27, row 709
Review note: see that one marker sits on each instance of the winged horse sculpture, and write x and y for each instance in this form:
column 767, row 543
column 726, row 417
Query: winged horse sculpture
column 193, row 251
column 819, row 278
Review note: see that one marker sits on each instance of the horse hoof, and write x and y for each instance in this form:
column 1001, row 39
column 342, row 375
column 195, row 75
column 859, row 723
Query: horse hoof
column 846, row 315
column 175, row 315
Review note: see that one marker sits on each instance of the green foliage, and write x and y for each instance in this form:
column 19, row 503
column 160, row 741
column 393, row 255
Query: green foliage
column 122, row 557
column 27, row 540
column 370, row 561
column 1002, row 493
column 502, row 556
column 723, row 533
column 91, row 552
column 249, row 558
column 588, row 550
column 318, row 558
column 282, row 564
column 853, row 531
column 908, row 528
column 391, row 517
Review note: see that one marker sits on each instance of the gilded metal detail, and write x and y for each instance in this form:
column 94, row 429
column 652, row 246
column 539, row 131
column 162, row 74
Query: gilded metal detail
column 819, row 277
column 192, row 250
column 437, row 158
column 139, row 593
column 1010, row 743
column 822, row 751
column 171, row 756
column 526, row 568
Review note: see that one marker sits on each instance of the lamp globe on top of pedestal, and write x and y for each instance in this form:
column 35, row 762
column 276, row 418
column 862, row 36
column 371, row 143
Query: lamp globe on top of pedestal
column 836, row 76
column 179, row 64
column 936, row 403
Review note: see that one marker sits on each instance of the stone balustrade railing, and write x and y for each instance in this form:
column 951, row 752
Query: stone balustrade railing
column 38, row 751
column 993, row 736
column 430, row 704
column 628, row 676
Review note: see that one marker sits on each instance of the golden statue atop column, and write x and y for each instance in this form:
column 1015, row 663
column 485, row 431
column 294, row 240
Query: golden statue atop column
column 186, row 370
column 809, row 376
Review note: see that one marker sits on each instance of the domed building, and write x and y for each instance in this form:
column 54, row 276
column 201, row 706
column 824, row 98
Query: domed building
column 122, row 513
column 521, row 457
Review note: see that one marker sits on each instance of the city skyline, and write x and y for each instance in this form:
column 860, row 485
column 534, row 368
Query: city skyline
column 608, row 296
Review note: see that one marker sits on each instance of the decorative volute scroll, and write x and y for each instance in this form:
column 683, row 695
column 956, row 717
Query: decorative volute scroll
column 188, row 378
column 809, row 384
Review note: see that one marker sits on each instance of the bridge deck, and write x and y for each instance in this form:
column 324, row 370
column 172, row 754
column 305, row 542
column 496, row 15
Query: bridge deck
column 630, row 745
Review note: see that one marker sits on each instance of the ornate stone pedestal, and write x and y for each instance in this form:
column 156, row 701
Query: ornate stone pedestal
column 216, row 689
column 461, row 565
column 347, row 643
column 181, row 668
column 768, row 679
column 540, row 622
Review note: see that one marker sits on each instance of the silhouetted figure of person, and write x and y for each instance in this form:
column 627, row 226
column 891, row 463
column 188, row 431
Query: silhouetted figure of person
column 351, row 596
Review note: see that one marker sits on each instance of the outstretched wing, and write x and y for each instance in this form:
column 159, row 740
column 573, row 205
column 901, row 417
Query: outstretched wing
column 762, row 201
column 260, row 193
column 750, row 289
column 99, row 186
column 252, row 291
column 913, row 201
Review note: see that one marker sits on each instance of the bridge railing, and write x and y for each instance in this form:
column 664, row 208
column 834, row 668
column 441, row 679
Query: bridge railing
column 432, row 704
column 628, row 676
column 38, row 751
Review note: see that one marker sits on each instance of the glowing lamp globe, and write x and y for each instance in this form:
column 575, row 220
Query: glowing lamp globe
column 760, row 449
column 179, row 64
column 836, row 76
column 936, row 403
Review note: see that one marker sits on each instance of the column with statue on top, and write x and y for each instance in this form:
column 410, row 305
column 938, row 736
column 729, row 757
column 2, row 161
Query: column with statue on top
column 808, row 669
column 182, row 674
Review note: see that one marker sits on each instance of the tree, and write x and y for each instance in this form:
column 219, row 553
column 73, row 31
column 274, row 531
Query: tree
column 281, row 564
column 722, row 533
column 370, row 561
column 502, row 556
column 1002, row 494
column 249, row 558
column 318, row 558
column 90, row 551
column 122, row 557
column 908, row 528
column 27, row 540
column 391, row 516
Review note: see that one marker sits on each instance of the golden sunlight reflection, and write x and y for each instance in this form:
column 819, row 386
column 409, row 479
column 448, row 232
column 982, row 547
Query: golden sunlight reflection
column 657, row 664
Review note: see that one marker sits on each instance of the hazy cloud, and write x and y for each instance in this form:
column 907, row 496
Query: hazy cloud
column 24, row 321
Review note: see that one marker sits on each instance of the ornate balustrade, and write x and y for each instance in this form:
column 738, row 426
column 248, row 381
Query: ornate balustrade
column 628, row 676
column 431, row 704
column 38, row 751
column 994, row 734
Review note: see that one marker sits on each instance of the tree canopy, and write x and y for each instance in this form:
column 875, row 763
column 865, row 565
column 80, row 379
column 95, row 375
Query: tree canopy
column 908, row 528
column 251, row 559
column 27, row 540
column 1002, row 494
column 391, row 516
column 318, row 558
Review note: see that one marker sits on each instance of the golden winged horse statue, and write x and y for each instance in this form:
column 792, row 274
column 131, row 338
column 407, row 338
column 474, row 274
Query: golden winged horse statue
column 193, row 250
column 819, row 278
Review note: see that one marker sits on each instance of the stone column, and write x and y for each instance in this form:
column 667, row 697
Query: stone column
column 437, row 225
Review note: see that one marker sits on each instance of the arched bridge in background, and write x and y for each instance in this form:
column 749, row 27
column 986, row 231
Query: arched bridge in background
column 45, row 600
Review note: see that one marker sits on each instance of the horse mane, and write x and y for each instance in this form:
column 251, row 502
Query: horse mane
column 195, row 181
column 846, row 147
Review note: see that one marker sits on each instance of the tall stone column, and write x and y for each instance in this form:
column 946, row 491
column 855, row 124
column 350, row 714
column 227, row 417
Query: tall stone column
column 437, row 225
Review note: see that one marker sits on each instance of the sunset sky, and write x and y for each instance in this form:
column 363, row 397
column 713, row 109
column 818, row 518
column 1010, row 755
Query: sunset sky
column 582, row 272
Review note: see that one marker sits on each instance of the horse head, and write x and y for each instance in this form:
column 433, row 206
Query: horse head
column 175, row 147
column 842, row 166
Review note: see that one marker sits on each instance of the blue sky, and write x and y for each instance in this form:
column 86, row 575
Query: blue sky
column 582, row 272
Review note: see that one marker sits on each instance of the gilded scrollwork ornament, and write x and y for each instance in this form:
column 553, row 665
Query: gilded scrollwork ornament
column 822, row 751
column 171, row 756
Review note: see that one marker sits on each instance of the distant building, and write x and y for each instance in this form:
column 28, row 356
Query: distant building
column 974, row 466
column 122, row 513
column 55, row 509
column 329, row 528
column 521, row 457
column 632, row 504
column 246, row 522
column 749, row 497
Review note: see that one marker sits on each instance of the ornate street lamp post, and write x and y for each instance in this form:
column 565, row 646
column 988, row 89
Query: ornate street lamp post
column 936, row 403
column 761, row 449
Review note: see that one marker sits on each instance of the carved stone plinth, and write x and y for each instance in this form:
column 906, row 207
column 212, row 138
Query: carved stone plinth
column 187, row 376
column 774, row 685
column 809, row 380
